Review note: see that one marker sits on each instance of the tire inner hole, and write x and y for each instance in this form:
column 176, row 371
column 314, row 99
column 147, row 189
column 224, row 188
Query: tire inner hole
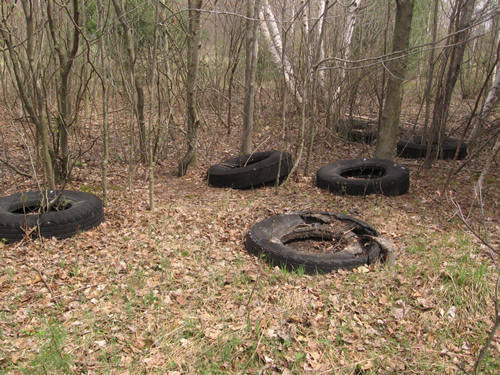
column 322, row 242
column 35, row 209
column 363, row 173
column 251, row 160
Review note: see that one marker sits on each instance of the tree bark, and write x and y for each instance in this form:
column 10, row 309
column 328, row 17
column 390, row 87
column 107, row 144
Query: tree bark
column 275, row 44
column 34, row 102
column 151, row 155
column 66, row 59
column 389, row 125
column 430, row 72
column 464, row 11
column 190, row 157
column 491, row 99
column 352, row 15
column 252, row 48
column 138, row 99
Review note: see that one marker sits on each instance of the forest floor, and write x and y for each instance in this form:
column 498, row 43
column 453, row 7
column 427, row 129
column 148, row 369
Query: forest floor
column 173, row 290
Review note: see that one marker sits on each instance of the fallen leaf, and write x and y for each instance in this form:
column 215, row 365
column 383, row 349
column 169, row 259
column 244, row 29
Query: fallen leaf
column 100, row 343
column 35, row 280
column 181, row 301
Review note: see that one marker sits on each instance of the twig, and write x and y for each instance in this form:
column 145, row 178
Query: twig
column 493, row 331
column 54, row 297
column 490, row 248
column 491, row 252
column 79, row 289
column 15, row 169
column 477, row 152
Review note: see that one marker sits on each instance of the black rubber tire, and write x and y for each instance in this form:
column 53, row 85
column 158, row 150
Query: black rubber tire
column 251, row 171
column 362, row 133
column 371, row 176
column 413, row 148
column 269, row 238
column 83, row 211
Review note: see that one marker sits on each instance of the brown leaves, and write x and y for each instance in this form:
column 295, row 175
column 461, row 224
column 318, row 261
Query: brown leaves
column 174, row 291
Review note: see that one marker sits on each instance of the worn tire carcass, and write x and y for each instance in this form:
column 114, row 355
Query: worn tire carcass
column 74, row 211
column 349, row 241
column 251, row 171
column 364, row 177
column 414, row 148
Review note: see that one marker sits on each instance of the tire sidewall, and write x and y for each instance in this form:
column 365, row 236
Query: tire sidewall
column 263, row 240
column 413, row 148
column 248, row 171
column 85, row 211
column 394, row 181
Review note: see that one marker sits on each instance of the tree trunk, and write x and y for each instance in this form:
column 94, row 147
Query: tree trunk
column 388, row 128
column 314, row 80
column 190, row 157
column 252, row 48
column 102, row 73
column 66, row 58
column 275, row 44
column 151, row 163
column 34, row 100
column 138, row 98
column 430, row 72
column 491, row 99
column 464, row 11
column 350, row 23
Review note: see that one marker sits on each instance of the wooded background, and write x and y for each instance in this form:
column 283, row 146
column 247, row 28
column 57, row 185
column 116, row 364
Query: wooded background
column 150, row 74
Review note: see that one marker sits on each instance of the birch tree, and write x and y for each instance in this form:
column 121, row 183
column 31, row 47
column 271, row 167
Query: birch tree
column 274, row 42
column 350, row 23
column 491, row 99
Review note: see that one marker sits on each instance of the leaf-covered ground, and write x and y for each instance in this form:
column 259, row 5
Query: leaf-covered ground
column 173, row 291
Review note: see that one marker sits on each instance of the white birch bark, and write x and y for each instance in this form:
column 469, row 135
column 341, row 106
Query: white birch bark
column 492, row 94
column 321, row 48
column 273, row 38
column 490, row 101
column 480, row 182
column 352, row 14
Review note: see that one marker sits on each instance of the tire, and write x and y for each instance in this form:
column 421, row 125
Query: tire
column 413, row 148
column 362, row 133
column 364, row 177
column 274, row 239
column 250, row 171
column 80, row 212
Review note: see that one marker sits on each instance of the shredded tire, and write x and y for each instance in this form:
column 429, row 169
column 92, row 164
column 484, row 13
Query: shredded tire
column 348, row 242
column 251, row 171
column 76, row 211
column 364, row 177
